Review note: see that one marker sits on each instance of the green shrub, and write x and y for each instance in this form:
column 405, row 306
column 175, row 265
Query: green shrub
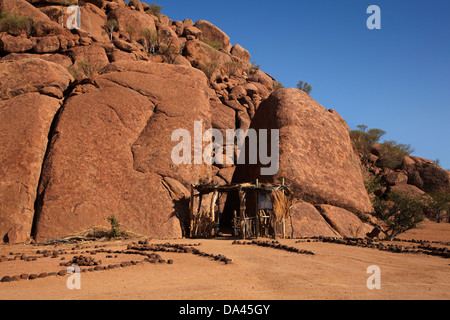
column 154, row 9
column 399, row 211
column 131, row 30
column 111, row 25
column 373, row 184
column 232, row 68
column 253, row 68
column 213, row 44
column 151, row 39
column 437, row 206
column 15, row 24
column 84, row 69
column 277, row 85
column 209, row 68
column 115, row 226
column 170, row 52
column 363, row 140
column 304, row 86
column 392, row 154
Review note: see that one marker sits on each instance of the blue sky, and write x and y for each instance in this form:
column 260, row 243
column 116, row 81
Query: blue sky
column 396, row 79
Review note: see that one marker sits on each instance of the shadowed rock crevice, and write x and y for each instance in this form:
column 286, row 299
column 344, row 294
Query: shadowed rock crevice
column 52, row 137
column 327, row 220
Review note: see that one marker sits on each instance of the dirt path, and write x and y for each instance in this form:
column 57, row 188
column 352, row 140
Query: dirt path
column 256, row 273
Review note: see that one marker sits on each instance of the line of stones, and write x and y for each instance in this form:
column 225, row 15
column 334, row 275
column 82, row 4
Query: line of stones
column 92, row 264
column 180, row 248
column 370, row 243
column 273, row 244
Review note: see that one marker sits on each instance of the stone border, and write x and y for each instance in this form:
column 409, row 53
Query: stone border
column 273, row 244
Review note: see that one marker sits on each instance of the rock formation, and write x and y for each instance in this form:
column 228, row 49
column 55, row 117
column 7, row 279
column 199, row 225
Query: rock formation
column 86, row 126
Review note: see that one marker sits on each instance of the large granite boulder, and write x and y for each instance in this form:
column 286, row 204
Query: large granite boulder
column 316, row 157
column 110, row 152
column 426, row 175
column 211, row 32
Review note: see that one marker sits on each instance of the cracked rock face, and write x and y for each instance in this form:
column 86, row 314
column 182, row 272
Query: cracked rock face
column 29, row 102
column 111, row 151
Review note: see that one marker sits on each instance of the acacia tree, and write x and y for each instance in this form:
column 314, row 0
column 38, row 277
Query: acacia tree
column 304, row 86
column 155, row 9
column 363, row 139
column 111, row 25
column 151, row 39
column 399, row 211
column 131, row 30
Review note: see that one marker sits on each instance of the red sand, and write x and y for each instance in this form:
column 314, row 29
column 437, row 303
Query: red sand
column 257, row 273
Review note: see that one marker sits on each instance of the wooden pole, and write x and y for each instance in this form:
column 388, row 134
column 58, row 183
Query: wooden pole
column 242, row 211
column 275, row 228
column 256, row 210
column 256, row 214
column 213, row 212
column 191, row 213
column 199, row 218
column 235, row 221
column 284, row 220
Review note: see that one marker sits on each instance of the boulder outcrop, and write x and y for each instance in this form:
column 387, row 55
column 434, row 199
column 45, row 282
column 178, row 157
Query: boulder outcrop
column 316, row 157
column 111, row 151
column 426, row 175
column 87, row 121
column 211, row 32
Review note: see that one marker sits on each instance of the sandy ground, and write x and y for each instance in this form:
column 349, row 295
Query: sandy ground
column 256, row 273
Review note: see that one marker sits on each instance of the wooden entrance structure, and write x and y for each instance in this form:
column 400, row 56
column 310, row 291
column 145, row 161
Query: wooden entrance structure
column 261, row 210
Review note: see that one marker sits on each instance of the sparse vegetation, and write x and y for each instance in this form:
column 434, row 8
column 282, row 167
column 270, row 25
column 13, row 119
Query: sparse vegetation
column 212, row 65
column 399, row 211
column 392, row 154
column 304, row 86
column 251, row 70
column 170, row 53
column 154, row 9
column 277, row 85
column 209, row 68
column 373, row 184
column 111, row 25
column 232, row 68
column 15, row 24
column 84, row 69
column 363, row 140
column 115, row 226
column 437, row 206
column 160, row 43
column 131, row 30
column 213, row 44
column 150, row 39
